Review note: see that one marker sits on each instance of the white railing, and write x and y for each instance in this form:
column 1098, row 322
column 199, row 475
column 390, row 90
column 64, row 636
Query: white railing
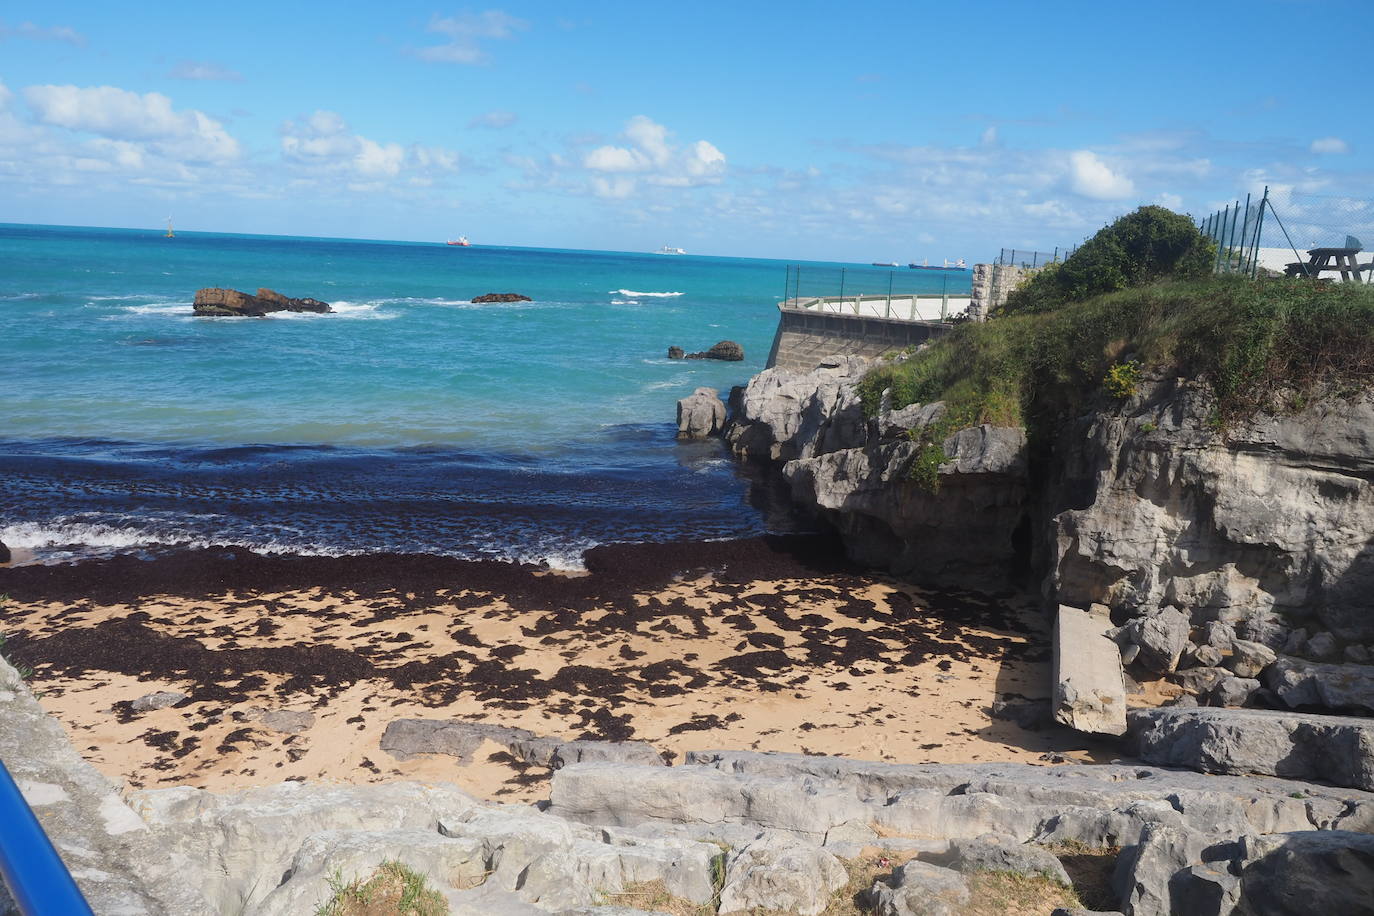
column 897, row 307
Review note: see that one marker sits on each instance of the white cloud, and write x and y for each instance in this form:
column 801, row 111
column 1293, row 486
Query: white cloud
column 204, row 71
column 1091, row 177
column 465, row 31
column 495, row 120
column 118, row 114
column 324, row 143
column 652, row 157
column 1330, row 145
column 64, row 33
column 989, row 137
column 1170, row 201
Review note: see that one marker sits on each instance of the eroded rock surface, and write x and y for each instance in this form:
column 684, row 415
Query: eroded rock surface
column 214, row 301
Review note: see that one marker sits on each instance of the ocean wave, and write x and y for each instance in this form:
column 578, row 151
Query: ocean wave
column 356, row 311
column 65, row 532
column 161, row 308
column 624, row 302
column 634, row 294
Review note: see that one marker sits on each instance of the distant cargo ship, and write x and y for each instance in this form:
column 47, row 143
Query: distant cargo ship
column 461, row 241
column 886, row 264
column 957, row 265
column 669, row 249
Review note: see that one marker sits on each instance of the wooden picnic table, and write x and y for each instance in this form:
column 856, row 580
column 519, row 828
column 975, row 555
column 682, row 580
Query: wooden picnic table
column 1320, row 259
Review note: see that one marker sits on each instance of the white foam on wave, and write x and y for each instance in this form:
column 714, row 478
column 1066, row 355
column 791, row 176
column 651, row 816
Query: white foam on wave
column 565, row 560
column 67, row 532
column 355, row 311
column 161, row 308
column 634, row 294
column 624, row 302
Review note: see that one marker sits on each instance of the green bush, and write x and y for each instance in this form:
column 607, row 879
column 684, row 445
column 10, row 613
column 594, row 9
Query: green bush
column 1122, row 379
column 1143, row 247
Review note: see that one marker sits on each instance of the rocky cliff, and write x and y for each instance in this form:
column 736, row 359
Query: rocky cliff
column 1143, row 504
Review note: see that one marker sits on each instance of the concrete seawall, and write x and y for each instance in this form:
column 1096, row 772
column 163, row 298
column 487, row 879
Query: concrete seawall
column 804, row 337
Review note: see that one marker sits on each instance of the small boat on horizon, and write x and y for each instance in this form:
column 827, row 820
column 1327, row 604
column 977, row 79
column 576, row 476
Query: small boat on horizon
column 461, row 242
column 886, row 264
column 170, row 234
column 669, row 249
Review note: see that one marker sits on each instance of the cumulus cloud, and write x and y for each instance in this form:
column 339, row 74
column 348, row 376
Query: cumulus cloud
column 465, row 31
column 496, row 120
column 63, row 33
column 1091, row 177
column 118, row 114
column 324, row 142
column 204, row 71
column 651, row 157
column 1330, row 145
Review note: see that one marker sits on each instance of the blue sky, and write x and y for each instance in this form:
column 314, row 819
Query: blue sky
column 859, row 131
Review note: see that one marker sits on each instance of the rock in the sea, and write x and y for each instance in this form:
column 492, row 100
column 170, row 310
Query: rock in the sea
column 159, row 700
column 217, row 302
column 726, row 350
column 676, row 353
column 501, row 297
column 1248, row 658
column 993, row 852
column 700, row 415
column 920, row 889
column 1334, row 749
column 1299, row 683
column 777, row 872
column 4, row 553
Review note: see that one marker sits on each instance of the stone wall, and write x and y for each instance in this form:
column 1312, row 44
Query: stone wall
column 992, row 283
column 806, row 339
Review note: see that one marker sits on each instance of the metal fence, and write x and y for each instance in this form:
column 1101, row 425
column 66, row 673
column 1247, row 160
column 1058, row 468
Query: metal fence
column 1280, row 232
column 804, row 281
column 1019, row 257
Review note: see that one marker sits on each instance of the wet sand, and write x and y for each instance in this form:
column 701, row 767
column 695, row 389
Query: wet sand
column 766, row 644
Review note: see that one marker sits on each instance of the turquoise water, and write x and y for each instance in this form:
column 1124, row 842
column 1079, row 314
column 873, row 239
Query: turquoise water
column 115, row 394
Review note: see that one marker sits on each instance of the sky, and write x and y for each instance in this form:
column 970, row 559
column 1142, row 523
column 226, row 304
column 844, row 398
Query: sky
column 862, row 131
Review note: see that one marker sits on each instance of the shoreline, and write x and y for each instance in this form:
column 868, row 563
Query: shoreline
column 293, row 667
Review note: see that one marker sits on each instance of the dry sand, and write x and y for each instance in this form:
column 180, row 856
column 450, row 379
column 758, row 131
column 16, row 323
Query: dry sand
column 822, row 661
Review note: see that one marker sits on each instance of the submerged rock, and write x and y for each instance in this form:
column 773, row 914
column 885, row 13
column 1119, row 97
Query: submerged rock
column 501, row 297
column 217, row 302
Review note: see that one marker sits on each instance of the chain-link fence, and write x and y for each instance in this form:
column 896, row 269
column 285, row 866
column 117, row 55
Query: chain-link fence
column 1295, row 233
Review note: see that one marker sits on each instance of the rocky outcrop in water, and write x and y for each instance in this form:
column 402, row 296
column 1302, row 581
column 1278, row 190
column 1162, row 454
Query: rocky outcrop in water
column 700, row 415
column 502, row 297
column 216, row 302
column 4, row 553
column 726, row 350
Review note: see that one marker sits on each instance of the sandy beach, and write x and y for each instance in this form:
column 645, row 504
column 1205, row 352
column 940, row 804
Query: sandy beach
column 768, row 644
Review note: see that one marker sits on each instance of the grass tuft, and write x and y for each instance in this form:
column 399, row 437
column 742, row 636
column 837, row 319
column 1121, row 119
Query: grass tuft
column 392, row 890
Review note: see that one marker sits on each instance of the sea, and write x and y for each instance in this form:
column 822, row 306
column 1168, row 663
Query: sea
column 410, row 420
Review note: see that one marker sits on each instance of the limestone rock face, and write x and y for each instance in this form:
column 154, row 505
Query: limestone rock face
column 405, row 738
column 779, row 873
column 700, row 415
column 991, row 852
column 214, row 301
column 855, row 472
column 1346, row 688
column 920, row 889
column 1272, row 518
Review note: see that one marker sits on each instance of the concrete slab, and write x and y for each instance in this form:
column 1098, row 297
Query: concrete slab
column 1089, row 692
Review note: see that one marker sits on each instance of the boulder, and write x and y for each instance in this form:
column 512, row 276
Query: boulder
column 1089, row 693
column 726, row 350
column 1323, row 648
column 1334, row 749
column 1357, row 654
column 1207, row 656
column 159, row 700
column 700, row 415
column 4, row 553
column 1161, row 635
column 1232, row 691
column 992, row 852
column 1249, row 658
column 675, row 353
column 920, row 889
column 217, row 302
column 1347, row 688
column 1200, row 681
column 776, row 872
column 1296, row 643
column 1143, row 871
column 501, row 297
column 1218, row 635
column 1298, row 874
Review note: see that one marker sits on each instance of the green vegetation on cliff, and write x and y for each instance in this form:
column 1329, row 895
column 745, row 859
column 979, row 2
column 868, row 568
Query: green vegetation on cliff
column 1259, row 343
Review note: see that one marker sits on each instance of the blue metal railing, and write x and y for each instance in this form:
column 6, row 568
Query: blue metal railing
column 31, row 868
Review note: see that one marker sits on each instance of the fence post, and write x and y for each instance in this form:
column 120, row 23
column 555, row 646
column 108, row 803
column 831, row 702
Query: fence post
column 887, row 312
column 1259, row 227
column 944, row 296
column 1216, row 266
column 798, row 284
column 1244, row 242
